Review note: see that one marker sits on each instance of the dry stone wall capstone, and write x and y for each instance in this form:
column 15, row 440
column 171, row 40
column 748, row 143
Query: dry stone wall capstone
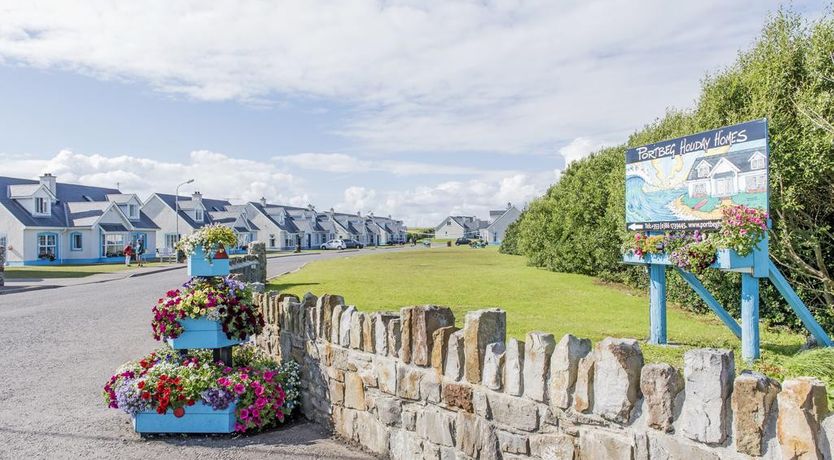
column 413, row 386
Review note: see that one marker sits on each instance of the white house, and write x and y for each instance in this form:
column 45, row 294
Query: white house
column 45, row 222
column 195, row 212
column 499, row 221
column 454, row 227
column 743, row 171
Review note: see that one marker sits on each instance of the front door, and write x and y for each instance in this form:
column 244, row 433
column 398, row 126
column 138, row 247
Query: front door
column 724, row 186
column 309, row 244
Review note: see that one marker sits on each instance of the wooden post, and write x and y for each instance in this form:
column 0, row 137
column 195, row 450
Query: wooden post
column 657, row 303
column 749, row 317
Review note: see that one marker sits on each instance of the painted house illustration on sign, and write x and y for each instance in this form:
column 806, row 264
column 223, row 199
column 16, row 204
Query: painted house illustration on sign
column 726, row 175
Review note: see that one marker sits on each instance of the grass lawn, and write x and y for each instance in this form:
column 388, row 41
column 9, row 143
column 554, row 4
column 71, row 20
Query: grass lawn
column 535, row 300
column 69, row 271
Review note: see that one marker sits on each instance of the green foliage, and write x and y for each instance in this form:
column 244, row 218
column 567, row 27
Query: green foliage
column 814, row 363
column 787, row 77
column 509, row 245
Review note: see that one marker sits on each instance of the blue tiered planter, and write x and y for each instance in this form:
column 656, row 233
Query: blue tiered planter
column 201, row 333
column 199, row 266
column 199, row 418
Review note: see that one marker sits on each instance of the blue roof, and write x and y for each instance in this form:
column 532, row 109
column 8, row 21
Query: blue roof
column 65, row 193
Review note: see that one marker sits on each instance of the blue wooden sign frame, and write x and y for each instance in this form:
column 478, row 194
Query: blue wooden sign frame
column 753, row 267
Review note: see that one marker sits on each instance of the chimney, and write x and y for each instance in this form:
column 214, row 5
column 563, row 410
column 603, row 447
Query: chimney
column 332, row 211
column 358, row 213
column 50, row 182
column 263, row 201
column 197, row 196
column 509, row 205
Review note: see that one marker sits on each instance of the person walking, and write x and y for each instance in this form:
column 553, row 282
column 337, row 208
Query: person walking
column 128, row 252
column 140, row 251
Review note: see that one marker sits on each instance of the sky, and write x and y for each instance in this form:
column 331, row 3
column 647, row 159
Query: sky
column 416, row 109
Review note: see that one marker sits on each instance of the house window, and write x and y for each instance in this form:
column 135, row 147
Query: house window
column 76, row 241
column 41, row 206
column 112, row 245
column 47, row 246
column 703, row 170
column 198, row 215
column 272, row 241
column 756, row 183
column 132, row 211
column 171, row 240
column 757, row 162
column 289, row 242
column 3, row 241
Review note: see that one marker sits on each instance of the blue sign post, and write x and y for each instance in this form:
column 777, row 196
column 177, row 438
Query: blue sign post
column 682, row 185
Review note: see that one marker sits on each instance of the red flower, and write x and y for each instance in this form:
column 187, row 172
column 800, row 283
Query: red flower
column 179, row 412
column 146, row 396
column 141, row 384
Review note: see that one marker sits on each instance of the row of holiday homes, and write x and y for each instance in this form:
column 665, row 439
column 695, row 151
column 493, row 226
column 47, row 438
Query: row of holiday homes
column 44, row 222
column 492, row 231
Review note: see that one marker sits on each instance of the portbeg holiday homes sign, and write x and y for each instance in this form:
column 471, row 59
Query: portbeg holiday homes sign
column 683, row 183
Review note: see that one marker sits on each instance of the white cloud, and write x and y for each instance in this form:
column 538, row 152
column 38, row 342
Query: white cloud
column 579, row 148
column 507, row 76
column 428, row 205
column 216, row 175
column 342, row 163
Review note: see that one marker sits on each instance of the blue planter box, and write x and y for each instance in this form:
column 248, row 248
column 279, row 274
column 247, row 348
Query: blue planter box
column 198, row 418
column 726, row 259
column 199, row 266
column 201, row 333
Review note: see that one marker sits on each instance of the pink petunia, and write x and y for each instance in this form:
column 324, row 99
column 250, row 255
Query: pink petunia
column 260, row 403
column 239, row 388
column 244, row 414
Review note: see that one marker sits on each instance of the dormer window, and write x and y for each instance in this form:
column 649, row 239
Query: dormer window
column 133, row 211
column 758, row 161
column 703, row 170
column 41, row 206
column 198, row 215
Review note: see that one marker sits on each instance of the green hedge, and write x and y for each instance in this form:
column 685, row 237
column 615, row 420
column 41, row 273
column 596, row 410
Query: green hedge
column 787, row 77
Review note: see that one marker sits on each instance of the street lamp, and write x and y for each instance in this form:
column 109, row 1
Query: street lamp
column 177, row 206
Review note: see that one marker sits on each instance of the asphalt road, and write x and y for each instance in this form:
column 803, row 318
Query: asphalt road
column 59, row 346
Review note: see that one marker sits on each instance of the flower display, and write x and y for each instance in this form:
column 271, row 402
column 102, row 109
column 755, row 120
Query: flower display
column 742, row 228
column 212, row 238
column 167, row 381
column 220, row 299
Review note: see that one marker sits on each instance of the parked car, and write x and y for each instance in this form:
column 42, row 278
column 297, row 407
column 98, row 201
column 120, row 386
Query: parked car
column 461, row 241
column 352, row 244
column 333, row 244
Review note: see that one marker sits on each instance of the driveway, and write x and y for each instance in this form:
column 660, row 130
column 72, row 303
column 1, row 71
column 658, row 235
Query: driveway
column 58, row 347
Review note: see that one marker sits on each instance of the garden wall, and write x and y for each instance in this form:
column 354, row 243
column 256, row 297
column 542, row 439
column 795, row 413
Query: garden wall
column 251, row 267
column 411, row 385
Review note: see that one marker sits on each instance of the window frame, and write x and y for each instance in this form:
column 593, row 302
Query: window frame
column 104, row 244
column 199, row 215
column 72, row 245
column 42, row 206
column 54, row 245
column 171, row 238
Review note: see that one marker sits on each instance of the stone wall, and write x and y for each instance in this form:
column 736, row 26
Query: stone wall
column 250, row 268
column 411, row 385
